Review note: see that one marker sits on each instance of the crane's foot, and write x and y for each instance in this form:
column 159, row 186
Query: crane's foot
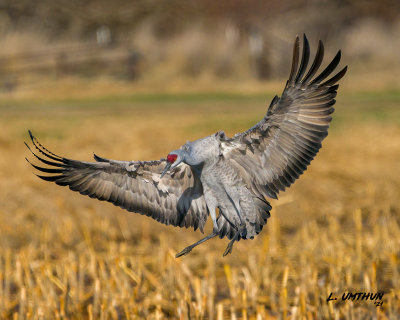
column 184, row 252
column 229, row 248
column 189, row 248
column 236, row 237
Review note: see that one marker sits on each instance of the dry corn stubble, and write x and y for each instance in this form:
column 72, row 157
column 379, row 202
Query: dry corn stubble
column 65, row 256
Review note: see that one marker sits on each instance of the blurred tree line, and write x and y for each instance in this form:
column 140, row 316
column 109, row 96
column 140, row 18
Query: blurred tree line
column 193, row 35
column 81, row 18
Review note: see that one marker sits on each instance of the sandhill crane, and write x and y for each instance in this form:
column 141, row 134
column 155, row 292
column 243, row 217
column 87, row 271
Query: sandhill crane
column 234, row 175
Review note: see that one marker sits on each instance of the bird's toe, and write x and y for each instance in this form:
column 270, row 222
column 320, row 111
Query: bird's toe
column 183, row 252
column 228, row 249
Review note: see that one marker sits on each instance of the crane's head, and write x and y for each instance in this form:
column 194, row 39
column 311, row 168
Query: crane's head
column 173, row 159
column 194, row 153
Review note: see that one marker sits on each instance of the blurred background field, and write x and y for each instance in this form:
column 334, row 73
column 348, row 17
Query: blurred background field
column 134, row 81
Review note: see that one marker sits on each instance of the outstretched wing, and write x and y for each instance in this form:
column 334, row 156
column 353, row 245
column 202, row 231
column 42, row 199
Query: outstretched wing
column 277, row 150
column 176, row 199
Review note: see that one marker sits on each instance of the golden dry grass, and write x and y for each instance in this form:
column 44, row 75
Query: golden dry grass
column 66, row 256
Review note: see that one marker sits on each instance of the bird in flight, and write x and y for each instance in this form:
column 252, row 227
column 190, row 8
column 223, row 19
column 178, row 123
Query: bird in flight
column 233, row 175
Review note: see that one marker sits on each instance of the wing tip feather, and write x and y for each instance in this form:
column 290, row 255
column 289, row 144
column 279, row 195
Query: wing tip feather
column 99, row 159
column 295, row 59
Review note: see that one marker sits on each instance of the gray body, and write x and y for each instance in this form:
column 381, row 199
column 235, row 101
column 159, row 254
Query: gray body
column 225, row 189
column 226, row 178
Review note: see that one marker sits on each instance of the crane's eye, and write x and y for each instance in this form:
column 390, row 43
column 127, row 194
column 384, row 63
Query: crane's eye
column 171, row 158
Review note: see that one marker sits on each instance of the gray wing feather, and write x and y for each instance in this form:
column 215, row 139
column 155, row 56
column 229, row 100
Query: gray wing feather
column 176, row 199
column 277, row 150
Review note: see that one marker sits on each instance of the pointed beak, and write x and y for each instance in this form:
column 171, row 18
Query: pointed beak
column 165, row 169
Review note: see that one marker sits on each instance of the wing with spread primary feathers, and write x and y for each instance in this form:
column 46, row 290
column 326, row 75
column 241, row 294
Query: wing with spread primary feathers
column 176, row 199
column 277, row 150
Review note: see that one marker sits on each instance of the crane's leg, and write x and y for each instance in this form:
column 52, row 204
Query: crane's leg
column 236, row 237
column 214, row 221
column 212, row 206
column 189, row 248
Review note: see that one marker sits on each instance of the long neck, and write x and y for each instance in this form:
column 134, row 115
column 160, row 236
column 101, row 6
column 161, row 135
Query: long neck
column 197, row 169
